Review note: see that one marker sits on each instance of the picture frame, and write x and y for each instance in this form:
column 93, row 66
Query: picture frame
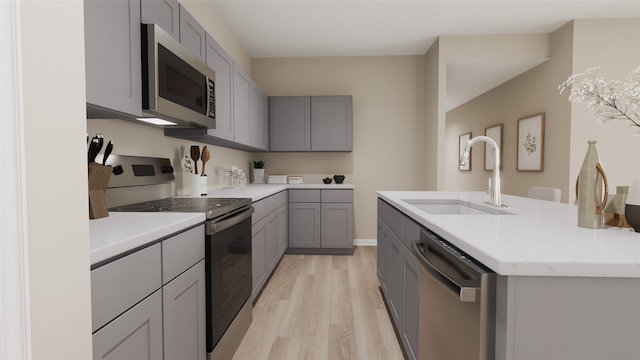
column 530, row 152
column 495, row 133
column 462, row 143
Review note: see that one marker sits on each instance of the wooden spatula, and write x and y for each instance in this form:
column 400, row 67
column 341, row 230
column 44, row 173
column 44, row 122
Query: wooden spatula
column 195, row 156
column 206, row 155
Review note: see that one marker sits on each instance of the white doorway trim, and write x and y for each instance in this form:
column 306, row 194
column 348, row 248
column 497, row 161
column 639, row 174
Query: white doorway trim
column 15, row 328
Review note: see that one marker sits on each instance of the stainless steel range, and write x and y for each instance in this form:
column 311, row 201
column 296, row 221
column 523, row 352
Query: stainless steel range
column 141, row 184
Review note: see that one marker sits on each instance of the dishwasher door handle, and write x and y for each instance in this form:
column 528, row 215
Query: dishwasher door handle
column 464, row 292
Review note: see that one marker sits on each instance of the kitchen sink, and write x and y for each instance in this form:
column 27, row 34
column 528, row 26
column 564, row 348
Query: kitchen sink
column 455, row 207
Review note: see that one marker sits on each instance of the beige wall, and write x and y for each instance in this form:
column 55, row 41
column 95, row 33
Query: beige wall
column 433, row 129
column 530, row 93
column 614, row 46
column 56, row 179
column 574, row 48
column 387, row 123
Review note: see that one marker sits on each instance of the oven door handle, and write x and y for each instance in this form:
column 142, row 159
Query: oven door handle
column 464, row 292
column 231, row 221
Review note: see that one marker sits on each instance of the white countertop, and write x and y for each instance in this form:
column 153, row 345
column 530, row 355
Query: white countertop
column 541, row 238
column 260, row 191
column 124, row 231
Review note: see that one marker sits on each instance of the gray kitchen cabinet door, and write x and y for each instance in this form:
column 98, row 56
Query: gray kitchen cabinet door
column 410, row 300
column 395, row 282
column 304, row 225
column 331, row 123
column 259, row 118
column 290, row 123
column 337, row 225
column 258, row 265
column 222, row 64
column 136, row 334
column 283, row 234
column 272, row 245
column 184, row 315
column 192, row 34
column 241, row 106
column 165, row 13
column 112, row 51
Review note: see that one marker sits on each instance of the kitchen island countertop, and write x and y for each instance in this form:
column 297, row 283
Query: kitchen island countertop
column 537, row 238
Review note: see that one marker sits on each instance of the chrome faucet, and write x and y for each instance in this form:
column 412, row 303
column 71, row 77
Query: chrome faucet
column 496, row 194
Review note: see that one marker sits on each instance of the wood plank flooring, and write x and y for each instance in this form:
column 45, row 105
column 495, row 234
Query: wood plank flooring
column 322, row 307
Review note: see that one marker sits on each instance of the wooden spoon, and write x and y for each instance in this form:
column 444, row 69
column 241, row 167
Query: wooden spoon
column 195, row 156
column 206, row 155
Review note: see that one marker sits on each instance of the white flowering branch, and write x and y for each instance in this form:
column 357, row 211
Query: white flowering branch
column 608, row 100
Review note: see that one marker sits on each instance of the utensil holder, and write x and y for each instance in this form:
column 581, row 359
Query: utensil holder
column 99, row 176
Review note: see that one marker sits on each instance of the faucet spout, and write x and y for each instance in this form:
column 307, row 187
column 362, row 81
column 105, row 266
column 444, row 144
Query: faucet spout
column 496, row 193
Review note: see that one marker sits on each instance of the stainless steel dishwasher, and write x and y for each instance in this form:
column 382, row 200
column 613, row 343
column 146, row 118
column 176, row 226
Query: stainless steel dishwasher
column 457, row 303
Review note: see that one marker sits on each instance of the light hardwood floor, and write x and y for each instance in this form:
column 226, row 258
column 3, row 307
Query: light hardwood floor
column 321, row 307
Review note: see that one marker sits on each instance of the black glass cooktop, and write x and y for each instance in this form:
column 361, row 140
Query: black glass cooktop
column 212, row 207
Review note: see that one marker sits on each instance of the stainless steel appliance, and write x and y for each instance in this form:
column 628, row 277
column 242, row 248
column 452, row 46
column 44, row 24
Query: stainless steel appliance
column 176, row 85
column 227, row 243
column 457, row 302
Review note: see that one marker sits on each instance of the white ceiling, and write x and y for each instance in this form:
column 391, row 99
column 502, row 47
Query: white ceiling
column 303, row 28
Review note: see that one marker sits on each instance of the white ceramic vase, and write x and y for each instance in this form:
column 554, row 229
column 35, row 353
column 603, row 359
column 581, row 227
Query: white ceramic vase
column 258, row 176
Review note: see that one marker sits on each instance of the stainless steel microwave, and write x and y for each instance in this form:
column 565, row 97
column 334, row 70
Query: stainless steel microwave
column 177, row 85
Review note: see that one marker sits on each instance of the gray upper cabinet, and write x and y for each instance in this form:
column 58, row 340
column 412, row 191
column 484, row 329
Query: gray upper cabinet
column 113, row 64
column 316, row 123
column 331, row 123
column 241, row 106
column 259, row 118
column 290, row 123
column 192, row 34
column 165, row 13
column 222, row 64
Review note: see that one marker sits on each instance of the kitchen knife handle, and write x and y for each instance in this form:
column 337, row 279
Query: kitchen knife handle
column 107, row 152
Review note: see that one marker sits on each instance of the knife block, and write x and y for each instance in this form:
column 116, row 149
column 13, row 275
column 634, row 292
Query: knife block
column 99, row 176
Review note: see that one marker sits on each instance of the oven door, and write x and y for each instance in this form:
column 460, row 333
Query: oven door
column 228, row 272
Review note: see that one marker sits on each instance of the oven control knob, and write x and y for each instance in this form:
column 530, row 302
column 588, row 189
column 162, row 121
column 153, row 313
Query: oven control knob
column 166, row 169
column 117, row 170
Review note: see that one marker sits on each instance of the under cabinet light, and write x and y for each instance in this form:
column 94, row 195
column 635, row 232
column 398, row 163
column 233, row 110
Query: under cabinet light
column 156, row 121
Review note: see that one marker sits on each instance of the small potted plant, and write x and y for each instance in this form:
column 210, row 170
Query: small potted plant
column 258, row 172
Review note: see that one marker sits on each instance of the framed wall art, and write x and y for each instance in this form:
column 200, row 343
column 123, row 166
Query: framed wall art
column 462, row 143
column 531, row 143
column 494, row 132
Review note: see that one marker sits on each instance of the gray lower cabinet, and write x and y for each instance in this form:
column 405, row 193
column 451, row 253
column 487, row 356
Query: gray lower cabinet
column 398, row 273
column 113, row 58
column 304, row 225
column 160, row 310
column 321, row 219
column 311, row 123
column 269, row 233
column 136, row 334
column 165, row 13
column 258, row 258
column 192, row 34
column 183, row 311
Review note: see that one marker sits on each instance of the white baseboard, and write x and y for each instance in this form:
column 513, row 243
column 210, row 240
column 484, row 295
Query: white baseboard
column 365, row 242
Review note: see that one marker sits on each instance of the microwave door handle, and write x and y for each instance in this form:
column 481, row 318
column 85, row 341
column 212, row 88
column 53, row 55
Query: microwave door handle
column 463, row 292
